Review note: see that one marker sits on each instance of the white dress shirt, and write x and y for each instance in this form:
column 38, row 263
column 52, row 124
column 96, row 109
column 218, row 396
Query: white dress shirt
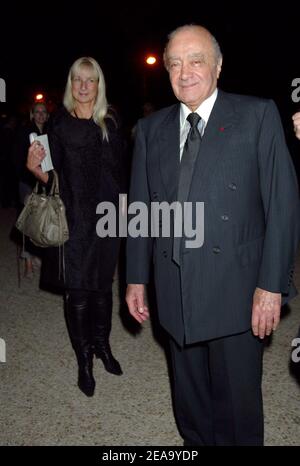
column 204, row 111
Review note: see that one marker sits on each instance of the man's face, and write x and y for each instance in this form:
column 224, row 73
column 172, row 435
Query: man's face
column 192, row 66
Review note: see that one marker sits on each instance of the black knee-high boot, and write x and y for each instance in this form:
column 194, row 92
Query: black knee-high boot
column 101, row 304
column 79, row 326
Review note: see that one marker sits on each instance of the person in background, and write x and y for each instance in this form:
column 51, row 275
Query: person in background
column 219, row 301
column 296, row 122
column 147, row 109
column 87, row 149
column 38, row 124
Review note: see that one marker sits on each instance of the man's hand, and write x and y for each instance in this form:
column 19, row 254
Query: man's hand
column 265, row 312
column 135, row 299
column 296, row 120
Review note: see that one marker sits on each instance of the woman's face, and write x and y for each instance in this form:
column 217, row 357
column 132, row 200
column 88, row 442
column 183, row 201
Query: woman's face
column 40, row 115
column 84, row 85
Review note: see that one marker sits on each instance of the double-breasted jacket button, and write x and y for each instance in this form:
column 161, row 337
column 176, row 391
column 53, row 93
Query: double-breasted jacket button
column 216, row 250
column 165, row 254
column 232, row 186
column 225, row 218
column 290, row 280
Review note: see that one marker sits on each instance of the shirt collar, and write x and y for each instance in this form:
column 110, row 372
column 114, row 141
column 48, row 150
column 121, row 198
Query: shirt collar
column 204, row 110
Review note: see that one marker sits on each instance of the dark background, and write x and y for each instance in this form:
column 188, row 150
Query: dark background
column 39, row 41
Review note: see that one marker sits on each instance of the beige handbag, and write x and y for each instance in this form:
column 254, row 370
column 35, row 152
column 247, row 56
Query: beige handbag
column 43, row 218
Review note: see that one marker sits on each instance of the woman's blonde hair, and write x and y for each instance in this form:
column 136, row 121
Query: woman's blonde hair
column 100, row 107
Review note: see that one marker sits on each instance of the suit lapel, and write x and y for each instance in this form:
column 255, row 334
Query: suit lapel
column 222, row 118
column 220, row 124
column 169, row 147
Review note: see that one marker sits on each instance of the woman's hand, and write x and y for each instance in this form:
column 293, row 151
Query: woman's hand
column 36, row 154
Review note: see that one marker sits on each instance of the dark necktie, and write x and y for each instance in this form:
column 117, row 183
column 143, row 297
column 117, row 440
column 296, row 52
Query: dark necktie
column 189, row 155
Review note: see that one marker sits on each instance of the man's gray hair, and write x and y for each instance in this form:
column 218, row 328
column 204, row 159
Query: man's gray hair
column 215, row 44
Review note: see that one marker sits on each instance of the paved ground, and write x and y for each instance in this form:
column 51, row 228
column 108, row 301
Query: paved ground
column 40, row 401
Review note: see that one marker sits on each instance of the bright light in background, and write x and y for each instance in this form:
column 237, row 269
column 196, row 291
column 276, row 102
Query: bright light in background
column 150, row 60
column 39, row 97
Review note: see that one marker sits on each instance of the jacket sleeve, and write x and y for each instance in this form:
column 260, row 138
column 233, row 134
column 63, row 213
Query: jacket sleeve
column 279, row 191
column 55, row 144
column 139, row 249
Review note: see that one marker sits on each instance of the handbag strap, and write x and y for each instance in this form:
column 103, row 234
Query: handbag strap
column 55, row 185
column 36, row 188
column 54, row 190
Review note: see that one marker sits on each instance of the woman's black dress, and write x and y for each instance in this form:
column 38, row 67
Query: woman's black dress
column 90, row 171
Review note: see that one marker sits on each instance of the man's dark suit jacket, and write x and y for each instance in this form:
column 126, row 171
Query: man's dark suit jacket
column 246, row 179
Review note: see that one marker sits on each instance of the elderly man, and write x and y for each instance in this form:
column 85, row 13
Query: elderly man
column 220, row 300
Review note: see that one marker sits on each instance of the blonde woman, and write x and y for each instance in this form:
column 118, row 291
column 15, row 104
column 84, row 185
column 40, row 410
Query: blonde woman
column 87, row 151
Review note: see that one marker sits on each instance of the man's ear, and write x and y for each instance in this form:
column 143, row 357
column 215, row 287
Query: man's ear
column 219, row 67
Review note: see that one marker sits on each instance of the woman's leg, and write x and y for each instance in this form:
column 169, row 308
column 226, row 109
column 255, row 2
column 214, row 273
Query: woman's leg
column 26, row 256
column 79, row 326
column 101, row 310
